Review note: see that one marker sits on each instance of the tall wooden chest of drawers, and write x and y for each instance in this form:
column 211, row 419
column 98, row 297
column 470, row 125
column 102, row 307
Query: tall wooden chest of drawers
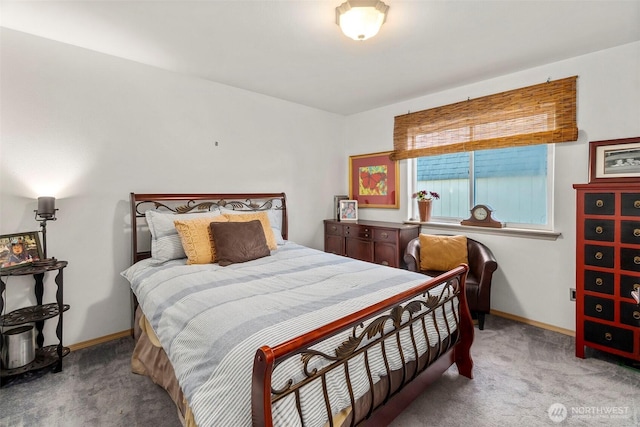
column 374, row 241
column 608, row 268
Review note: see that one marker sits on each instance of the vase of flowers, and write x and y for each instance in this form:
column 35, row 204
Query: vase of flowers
column 424, row 203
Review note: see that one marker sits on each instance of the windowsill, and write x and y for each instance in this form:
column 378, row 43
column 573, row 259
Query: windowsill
column 508, row 231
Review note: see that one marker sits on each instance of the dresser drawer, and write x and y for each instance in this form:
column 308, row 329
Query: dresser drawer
column 610, row 336
column 602, row 308
column 382, row 235
column 599, row 281
column 333, row 229
column 628, row 284
column 630, row 313
column 630, row 232
column 599, row 203
column 599, row 256
column 599, row 229
column 630, row 204
column 358, row 231
column 630, row 259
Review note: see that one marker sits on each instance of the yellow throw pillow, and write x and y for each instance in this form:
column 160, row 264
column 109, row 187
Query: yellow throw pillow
column 197, row 240
column 442, row 253
column 264, row 221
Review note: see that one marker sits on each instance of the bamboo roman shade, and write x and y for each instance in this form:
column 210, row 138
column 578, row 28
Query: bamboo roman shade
column 539, row 114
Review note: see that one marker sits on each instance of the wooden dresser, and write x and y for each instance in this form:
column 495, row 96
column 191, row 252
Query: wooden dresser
column 608, row 268
column 374, row 241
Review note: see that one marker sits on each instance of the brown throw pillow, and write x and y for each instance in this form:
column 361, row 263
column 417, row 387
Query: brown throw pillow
column 239, row 241
column 442, row 253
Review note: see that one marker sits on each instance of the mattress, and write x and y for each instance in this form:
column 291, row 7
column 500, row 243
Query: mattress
column 211, row 319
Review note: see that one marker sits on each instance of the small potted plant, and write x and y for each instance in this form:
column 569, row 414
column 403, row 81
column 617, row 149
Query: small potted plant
column 424, row 203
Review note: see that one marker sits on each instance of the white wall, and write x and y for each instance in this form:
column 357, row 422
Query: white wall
column 89, row 129
column 534, row 276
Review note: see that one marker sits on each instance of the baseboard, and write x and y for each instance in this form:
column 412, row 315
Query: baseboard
column 533, row 323
column 100, row 340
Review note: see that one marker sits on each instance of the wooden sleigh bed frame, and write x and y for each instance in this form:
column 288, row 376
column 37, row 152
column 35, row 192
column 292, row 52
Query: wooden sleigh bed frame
column 370, row 328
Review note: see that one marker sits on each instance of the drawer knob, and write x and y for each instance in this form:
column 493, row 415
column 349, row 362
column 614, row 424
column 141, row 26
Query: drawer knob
column 608, row 336
column 334, row 228
column 599, row 308
column 384, row 235
column 636, row 204
column 636, row 315
column 598, row 255
column 636, row 259
column 366, row 230
column 599, row 230
column 636, row 232
column 599, row 281
column 366, row 235
column 599, row 203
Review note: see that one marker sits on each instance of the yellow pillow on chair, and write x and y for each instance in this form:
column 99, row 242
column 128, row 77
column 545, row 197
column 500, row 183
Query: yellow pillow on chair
column 442, row 253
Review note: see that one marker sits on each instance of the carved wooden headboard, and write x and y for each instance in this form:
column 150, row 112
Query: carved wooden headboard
column 185, row 203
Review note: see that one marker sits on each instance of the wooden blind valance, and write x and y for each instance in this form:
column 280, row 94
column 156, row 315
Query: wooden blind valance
column 539, row 114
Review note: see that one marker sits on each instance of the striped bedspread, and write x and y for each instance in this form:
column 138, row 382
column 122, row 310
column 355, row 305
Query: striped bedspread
column 211, row 320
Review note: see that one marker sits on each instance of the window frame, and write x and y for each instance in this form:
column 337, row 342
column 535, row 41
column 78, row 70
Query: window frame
column 412, row 211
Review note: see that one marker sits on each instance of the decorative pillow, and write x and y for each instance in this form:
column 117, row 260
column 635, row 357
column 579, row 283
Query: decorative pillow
column 275, row 220
column 442, row 253
column 239, row 241
column 264, row 220
column 165, row 241
column 196, row 239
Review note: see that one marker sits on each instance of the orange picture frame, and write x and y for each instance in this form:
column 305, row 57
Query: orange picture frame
column 374, row 180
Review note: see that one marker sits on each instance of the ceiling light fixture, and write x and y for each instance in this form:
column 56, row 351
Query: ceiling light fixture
column 361, row 19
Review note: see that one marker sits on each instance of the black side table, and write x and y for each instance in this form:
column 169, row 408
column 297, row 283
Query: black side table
column 45, row 356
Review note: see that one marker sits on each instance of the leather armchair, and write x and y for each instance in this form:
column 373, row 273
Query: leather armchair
column 482, row 264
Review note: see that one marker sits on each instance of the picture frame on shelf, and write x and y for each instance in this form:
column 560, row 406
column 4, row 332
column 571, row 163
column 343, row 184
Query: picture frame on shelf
column 348, row 210
column 614, row 160
column 336, row 205
column 19, row 250
column 374, row 180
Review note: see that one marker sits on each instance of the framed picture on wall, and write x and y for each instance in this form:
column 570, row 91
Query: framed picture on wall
column 348, row 210
column 374, row 180
column 19, row 250
column 615, row 160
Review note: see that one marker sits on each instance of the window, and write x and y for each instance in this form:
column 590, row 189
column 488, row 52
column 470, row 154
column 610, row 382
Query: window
column 516, row 182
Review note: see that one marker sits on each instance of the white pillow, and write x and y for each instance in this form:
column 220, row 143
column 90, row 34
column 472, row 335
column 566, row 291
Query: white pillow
column 165, row 240
column 275, row 220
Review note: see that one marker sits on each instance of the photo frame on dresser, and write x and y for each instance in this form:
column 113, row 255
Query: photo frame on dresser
column 348, row 210
column 336, row 205
column 614, row 160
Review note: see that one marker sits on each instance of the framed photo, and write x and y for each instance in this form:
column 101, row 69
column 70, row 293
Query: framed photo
column 615, row 160
column 348, row 210
column 374, row 180
column 19, row 249
column 336, row 206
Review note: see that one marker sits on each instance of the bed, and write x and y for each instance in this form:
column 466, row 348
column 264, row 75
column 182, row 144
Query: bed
column 294, row 337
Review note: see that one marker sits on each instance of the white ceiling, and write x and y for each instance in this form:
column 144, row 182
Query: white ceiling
column 293, row 50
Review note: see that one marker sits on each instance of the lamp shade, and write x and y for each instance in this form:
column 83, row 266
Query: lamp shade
column 46, row 207
column 361, row 19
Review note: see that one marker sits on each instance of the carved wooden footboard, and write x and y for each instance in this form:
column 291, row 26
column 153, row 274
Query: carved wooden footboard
column 397, row 324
